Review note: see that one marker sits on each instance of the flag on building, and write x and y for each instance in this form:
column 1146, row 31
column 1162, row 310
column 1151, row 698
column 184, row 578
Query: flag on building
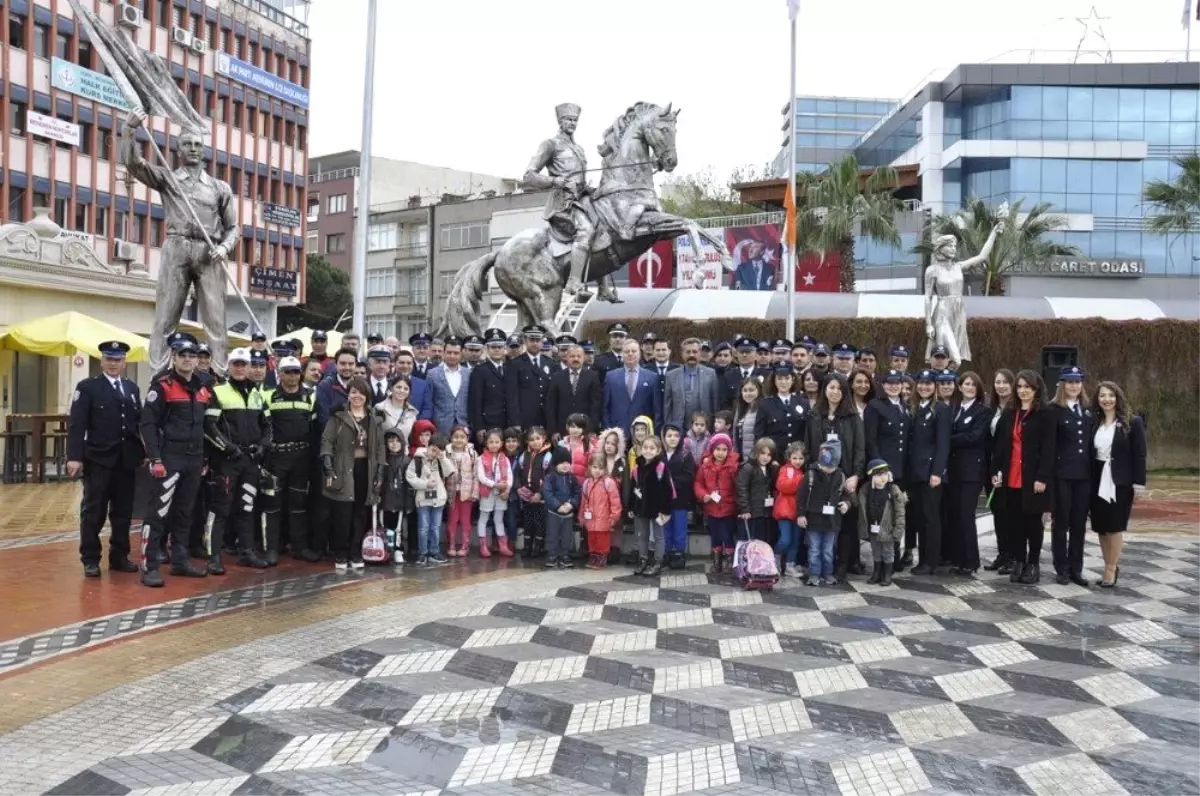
column 142, row 76
column 654, row 267
column 793, row 9
column 815, row 274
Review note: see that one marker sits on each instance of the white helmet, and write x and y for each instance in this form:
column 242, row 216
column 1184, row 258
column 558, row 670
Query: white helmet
column 239, row 355
column 290, row 363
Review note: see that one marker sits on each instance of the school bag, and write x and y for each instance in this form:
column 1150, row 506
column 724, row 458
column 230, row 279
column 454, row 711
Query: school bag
column 374, row 546
column 754, row 563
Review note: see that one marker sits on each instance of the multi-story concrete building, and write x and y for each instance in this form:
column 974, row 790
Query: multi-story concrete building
column 827, row 128
column 333, row 194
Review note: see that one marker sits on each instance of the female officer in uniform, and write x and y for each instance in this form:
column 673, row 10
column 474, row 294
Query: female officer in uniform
column 781, row 415
column 1074, row 427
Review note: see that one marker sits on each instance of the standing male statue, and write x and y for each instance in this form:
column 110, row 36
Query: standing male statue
column 187, row 258
column 566, row 168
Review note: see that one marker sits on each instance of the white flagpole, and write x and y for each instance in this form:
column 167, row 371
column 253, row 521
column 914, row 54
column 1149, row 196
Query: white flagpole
column 358, row 275
column 794, row 9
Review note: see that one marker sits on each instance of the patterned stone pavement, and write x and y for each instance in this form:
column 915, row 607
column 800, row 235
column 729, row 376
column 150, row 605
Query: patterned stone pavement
column 599, row 682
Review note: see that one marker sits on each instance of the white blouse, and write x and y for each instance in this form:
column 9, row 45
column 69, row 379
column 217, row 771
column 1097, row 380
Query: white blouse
column 1103, row 441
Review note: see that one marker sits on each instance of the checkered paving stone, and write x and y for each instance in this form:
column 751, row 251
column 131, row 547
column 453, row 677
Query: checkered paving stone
column 686, row 684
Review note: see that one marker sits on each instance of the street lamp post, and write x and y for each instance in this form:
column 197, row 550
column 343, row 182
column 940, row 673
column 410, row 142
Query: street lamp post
column 358, row 279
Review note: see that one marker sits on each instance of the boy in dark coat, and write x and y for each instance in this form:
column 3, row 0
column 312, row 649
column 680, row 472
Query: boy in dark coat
column 397, row 499
column 683, row 473
column 561, row 493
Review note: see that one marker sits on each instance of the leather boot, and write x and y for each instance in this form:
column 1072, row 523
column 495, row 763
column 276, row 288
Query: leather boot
column 579, row 258
column 997, row 562
column 186, row 569
column 885, row 578
column 1016, row 569
column 876, row 574
column 905, row 561
column 654, row 569
column 215, row 567
column 642, row 564
column 249, row 557
column 1032, row 574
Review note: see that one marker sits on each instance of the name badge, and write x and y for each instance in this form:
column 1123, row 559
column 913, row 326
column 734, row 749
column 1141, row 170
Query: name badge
column 769, row 502
column 637, row 493
column 827, row 509
column 874, row 529
column 967, row 420
column 587, row 514
column 831, row 436
column 800, row 410
column 716, row 497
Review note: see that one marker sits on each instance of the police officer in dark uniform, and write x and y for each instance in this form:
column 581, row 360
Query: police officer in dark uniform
column 898, row 358
column 1075, row 425
column 172, row 428
column 611, row 359
column 238, row 427
column 526, row 380
column 293, row 414
column 103, row 444
column 886, row 424
column 928, row 458
column 781, row 351
column 820, row 361
column 782, row 417
column 487, row 406
column 743, row 369
column 204, row 363
column 420, row 343
column 589, row 353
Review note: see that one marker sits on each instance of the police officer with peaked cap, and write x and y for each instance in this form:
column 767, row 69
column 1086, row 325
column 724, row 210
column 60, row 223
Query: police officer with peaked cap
column 611, row 359
column 420, row 343
column 486, row 401
column 526, row 380
column 104, row 446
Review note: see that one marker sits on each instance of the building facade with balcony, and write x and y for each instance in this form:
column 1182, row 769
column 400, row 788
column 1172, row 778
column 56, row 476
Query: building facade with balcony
column 333, row 193
column 827, row 129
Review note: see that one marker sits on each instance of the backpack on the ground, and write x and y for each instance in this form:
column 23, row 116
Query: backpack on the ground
column 754, row 563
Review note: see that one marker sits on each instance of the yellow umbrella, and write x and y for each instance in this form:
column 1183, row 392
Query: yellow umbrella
column 69, row 333
column 305, row 336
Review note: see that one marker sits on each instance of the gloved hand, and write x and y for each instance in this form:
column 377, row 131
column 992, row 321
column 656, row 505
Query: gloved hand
column 254, row 451
column 158, row 469
column 327, row 465
column 233, row 453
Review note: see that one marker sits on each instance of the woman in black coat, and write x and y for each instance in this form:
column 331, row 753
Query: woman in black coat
column 928, row 461
column 1074, row 427
column 835, row 415
column 970, row 429
column 782, row 414
column 1003, row 394
column 1118, row 469
column 886, row 422
column 1023, row 465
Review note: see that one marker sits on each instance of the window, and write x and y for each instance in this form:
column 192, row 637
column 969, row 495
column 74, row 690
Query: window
column 467, row 235
column 16, row 117
column 337, row 203
column 310, row 242
column 61, row 206
column 222, row 110
column 277, row 135
column 240, row 45
column 176, row 18
column 156, row 232
column 381, row 283
column 164, row 13
column 136, row 227
column 16, row 31
column 81, row 217
column 101, row 220
column 314, row 209
column 84, row 56
column 194, row 95
column 418, row 286
column 335, row 244
column 447, row 284
column 246, row 184
column 383, row 236
column 251, row 118
column 62, row 46
column 120, row 229
column 289, row 134
column 41, row 40
column 210, row 103
column 16, row 204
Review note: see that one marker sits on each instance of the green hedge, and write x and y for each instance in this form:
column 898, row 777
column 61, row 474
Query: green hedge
column 1157, row 363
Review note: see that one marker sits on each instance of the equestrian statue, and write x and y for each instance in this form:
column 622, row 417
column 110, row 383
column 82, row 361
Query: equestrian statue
column 590, row 232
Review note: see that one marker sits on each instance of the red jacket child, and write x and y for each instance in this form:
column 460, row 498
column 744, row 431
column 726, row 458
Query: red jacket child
column 718, row 478
column 787, row 484
column 599, row 513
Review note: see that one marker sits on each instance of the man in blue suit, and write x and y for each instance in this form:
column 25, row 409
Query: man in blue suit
column 419, row 397
column 630, row 391
column 448, row 384
column 755, row 272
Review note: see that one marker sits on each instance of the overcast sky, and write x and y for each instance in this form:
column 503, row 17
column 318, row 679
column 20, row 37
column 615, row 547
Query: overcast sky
column 472, row 84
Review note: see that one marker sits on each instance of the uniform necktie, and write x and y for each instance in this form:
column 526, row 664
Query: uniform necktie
column 630, row 382
column 378, row 392
column 500, row 370
column 117, row 386
column 1078, row 410
column 574, row 380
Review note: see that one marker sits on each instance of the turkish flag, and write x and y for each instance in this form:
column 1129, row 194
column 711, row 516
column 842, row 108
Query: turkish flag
column 654, row 267
column 737, row 240
column 816, row 276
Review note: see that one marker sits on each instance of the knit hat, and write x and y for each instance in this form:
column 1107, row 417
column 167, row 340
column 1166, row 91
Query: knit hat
column 560, row 456
column 830, row 453
column 719, row 439
column 877, row 466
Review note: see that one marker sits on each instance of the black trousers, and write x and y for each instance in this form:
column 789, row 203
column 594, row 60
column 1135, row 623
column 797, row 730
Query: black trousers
column 199, row 525
column 107, row 492
column 351, row 517
column 848, row 547
column 318, row 506
column 169, row 508
column 291, row 471
column 1028, row 533
column 1071, row 500
column 911, row 514
column 232, row 494
column 927, row 511
column 962, row 497
column 1002, row 522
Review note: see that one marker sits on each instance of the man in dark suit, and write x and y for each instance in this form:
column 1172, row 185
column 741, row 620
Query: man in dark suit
column 611, row 359
column 755, row 272
column 421, row 344
column 574, row 389
column 103, row 444
column 525, row 381
column 630, row 392
column 486, row 405
column 661, row 364
column 744, row 369
column 379, row 366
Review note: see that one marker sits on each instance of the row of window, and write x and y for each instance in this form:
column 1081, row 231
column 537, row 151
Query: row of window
column 876, row 108
column 391, row 235
column 827, row 140
column 807, row 121
column 465, row 235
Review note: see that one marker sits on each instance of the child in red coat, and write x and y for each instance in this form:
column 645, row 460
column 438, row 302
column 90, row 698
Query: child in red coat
column 787, row 484
column 716, row 489
column 599, row 511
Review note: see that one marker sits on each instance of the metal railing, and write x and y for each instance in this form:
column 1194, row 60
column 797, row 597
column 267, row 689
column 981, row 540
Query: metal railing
column 283, row 20
column 407, row 251
column 748, row 220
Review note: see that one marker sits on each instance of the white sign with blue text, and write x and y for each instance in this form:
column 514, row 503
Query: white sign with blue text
column 251, row 75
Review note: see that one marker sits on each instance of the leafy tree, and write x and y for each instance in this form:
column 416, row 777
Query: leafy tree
column 1177, row 203
column 1022, row 241
column 327, row 294
column 702, row 195
column 836, row 205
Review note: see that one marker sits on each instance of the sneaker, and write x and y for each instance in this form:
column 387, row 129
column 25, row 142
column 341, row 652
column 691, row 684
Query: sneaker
column 357, row 565
column 422, row 561
column 397, row 557
column 566, row 563
column 340, row 565
column 439, row 559
column 812, row 582
column 551, row 563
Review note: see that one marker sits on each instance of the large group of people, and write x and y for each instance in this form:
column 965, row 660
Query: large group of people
column 545, row 448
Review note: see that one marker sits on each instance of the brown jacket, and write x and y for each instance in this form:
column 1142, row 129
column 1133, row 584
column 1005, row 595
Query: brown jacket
column 339, row 440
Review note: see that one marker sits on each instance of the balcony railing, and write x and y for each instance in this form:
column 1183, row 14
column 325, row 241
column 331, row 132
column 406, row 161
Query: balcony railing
column 747, row 220
column 284, row 20
column 407, row 251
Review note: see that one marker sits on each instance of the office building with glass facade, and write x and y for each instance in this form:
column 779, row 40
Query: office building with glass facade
column 1085, row 138
column 827, row 128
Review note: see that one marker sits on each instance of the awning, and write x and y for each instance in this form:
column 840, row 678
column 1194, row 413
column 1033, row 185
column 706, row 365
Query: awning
column 305, row 336
column 70, row 333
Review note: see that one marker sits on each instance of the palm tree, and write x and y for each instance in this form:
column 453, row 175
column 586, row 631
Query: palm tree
column 1178, row 202
column 1022, row 241
column 836, row 205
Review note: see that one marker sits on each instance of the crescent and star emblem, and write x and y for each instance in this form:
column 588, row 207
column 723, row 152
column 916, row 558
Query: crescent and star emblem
column 649, row 266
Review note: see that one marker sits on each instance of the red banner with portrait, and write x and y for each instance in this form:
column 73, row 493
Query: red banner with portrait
column 757, row 254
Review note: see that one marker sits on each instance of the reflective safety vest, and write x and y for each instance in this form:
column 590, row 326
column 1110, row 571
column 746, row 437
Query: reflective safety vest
column 292, row 416
column 239, row 417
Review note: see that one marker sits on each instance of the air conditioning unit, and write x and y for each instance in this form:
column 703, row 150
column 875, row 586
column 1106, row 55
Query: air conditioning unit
column 129, row 15
column 198, row 45
column 181, row 36
column 124, row 251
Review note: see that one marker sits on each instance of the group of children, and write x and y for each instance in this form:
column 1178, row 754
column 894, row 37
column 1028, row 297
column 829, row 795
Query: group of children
column 590, row 481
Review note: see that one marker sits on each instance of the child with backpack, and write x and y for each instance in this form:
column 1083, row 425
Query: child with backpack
column 429, row 474
column 599, row 511
column 653, row 494
column 561, row 492
column 756, row 492
column 787, row 485
column 397, row 498
column 881, row 519
column 822, row 502
column 716, row 489
column 532, row 467
column 493, row 473
column 683, row 473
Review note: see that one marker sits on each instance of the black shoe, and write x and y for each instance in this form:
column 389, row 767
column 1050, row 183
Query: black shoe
column 963, row 572
column 229, row 550
column 655, row 569
column 922, row 569
column 1116, row 574
column 1079, row 580
column 876, row 574
column 1006, row 568
column 857, row 568
column 251, row 559
column 1061, row 579
column 1032, row 574
column 885, row 578
column 215, row 567
column 152, row 578
column 566, row 563
column 642, row 565
column 306, row 555
column 272, row 558
column 551, row 563
column 187, row 570
column 839, row 573
column 1015, row 570
column 121, row 565
column 999, row 561
column 197, row 552
column 905, row 561
column 91, row 570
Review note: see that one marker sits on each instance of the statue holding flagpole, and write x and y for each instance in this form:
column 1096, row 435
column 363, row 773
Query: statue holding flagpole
column 201, row 220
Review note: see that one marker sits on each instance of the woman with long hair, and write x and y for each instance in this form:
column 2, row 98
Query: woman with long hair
column 862, row 387
column 1023, row 466
column 1003, row 383
column 354, row 466
column 782, row 414
column 928, row 460
column 1118, row 470
column 396, row 412
column 745, row 415
column 1074, row 428
column 970, row 428
column 810, row 386
column 834, row 418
